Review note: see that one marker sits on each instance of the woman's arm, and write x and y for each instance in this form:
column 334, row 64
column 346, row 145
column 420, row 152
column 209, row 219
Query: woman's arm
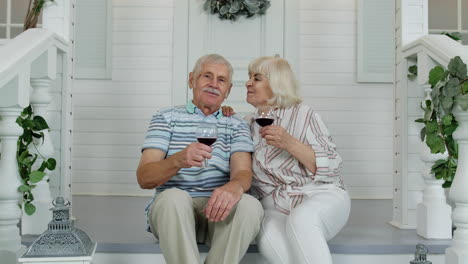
column 305, row 154
column 277, row 136
column 327, row 159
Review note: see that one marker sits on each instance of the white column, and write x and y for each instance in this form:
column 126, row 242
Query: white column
column 56, row 17
column 36, row 224
column 433, row 214
column 408, row 27
column 457, row 253
column 43, row 70
column 10, row 213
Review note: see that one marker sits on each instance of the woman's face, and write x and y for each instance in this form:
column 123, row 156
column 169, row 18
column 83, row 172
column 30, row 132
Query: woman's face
column 258, row 89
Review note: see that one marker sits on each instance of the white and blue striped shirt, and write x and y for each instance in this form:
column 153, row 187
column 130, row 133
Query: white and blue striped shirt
column 173, row 129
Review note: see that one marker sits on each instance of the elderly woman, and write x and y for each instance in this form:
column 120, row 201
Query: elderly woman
column 296, row 173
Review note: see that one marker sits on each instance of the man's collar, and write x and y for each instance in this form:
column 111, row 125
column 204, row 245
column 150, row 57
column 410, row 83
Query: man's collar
column 192, row 108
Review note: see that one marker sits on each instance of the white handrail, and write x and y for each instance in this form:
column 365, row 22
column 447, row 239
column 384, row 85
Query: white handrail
column 27, row 63
column 440, row 47
column 24, row 49
column 427, row 52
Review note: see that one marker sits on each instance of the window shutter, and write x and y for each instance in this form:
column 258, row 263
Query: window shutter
column 375, row 55
column 93, row 39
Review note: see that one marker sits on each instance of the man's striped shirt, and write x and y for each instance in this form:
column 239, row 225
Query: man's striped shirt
column 173, row 129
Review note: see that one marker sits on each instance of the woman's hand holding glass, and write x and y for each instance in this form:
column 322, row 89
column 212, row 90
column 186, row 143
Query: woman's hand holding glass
column 264, row 116
column 277, row 136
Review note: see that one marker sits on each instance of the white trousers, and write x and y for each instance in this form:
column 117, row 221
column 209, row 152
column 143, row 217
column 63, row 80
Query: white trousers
column 301, row 236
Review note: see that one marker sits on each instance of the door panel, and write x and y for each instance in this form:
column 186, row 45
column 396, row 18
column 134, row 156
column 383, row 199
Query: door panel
column 238, row 41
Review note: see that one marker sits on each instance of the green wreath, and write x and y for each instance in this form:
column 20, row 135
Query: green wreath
column 231, row 9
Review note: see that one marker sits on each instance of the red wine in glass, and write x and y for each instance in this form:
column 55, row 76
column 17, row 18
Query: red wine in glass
column 206, row 133
column 264, row 116
column 206, row 140
column 264, row 121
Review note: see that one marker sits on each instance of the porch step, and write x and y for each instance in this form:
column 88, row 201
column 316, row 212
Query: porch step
column 255, row 258
column 118, row 225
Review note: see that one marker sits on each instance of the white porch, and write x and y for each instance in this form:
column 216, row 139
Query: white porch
column 118, row 225
column 97, row 140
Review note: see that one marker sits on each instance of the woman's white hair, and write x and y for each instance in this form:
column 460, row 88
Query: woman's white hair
column 215, row 59
column 281, row 78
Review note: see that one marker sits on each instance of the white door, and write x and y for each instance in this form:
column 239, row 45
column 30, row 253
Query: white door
column 238, row 41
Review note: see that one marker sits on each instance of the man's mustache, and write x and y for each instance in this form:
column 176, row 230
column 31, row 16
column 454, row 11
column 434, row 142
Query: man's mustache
column 211, row 90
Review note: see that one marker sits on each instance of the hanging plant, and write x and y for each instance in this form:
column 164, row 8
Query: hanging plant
column 34, row 11
column 232, row 9
column 449, row 88
column 32, row 125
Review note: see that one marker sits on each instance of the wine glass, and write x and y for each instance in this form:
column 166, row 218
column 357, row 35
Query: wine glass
column 207, row 134
column 264, row 116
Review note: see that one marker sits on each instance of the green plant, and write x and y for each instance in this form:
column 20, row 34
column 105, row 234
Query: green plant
column 449, row 88
column 230, row 9
column 412, row 72
column 32, row 125
column 453, row 35
column 34, row 11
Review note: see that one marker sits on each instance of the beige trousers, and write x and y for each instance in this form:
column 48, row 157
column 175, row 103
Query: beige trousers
column 178, row 221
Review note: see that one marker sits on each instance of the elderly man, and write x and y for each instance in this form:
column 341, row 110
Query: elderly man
column 192, row 203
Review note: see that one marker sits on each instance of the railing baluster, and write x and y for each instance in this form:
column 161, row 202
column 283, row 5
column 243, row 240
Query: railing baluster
column 43, row 70
column 10, row 213
column 457, row 253
column 37, row 223
column 433, row 214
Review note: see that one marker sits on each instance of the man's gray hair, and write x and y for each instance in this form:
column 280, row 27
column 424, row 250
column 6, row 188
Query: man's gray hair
column 215, row 59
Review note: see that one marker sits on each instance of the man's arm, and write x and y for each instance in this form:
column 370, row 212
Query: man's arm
column 227, row 196
column 241, row 169
column 154, row 170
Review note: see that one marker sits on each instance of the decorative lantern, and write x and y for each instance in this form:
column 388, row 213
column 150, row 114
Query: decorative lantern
column 61, row 242
column 420, row 255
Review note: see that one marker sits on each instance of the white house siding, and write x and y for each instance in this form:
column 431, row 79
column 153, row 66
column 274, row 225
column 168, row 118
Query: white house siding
column 359, row 115
column 111, row 116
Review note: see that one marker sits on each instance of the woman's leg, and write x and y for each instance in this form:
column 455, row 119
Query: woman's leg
column 318, row 219
column 272, row 240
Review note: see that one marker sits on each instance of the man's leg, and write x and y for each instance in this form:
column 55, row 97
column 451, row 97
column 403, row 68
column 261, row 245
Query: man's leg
column 231, row 238
column 172, row 221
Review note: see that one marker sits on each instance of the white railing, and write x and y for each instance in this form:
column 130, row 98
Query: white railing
column 28, row 65
column 426, row 200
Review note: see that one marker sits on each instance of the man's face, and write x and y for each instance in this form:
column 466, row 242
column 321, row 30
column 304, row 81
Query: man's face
column 211, row 85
